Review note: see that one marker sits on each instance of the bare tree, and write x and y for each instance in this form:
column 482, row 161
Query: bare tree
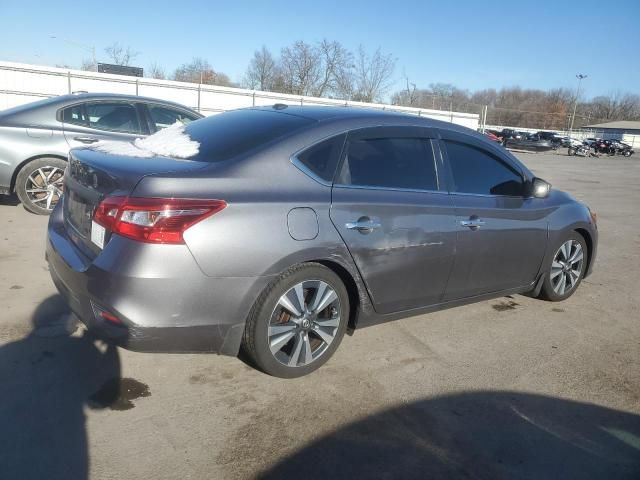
column 120, row 55
column 336, row 69
column 156, row 71
column 200, row 71
column 373, row 74
column 262, row 71
column 301, row 66
column 88, row 65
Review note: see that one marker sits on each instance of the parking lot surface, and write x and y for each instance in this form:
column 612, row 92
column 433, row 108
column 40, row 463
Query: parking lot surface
column 508, row 388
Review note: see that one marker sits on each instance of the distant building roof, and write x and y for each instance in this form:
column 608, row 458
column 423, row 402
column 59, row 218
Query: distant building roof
column 620, row 125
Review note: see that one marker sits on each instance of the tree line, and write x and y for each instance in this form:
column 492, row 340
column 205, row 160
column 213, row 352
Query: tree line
column 328, row 69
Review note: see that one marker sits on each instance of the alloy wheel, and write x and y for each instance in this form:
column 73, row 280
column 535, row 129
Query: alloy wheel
column 304, row 323
column 566, row 267
column 44, row 186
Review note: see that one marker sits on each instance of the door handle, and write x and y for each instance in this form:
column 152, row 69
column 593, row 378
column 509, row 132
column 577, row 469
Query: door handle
column 86, row 139
column 472, row 223
column 363, row 225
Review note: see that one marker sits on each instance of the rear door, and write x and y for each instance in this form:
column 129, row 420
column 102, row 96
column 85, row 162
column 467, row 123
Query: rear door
column 393, row 216
column 89, row 122
column 501, row 235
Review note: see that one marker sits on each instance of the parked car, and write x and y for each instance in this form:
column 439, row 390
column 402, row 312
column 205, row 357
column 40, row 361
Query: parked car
column 554, row 138
column 277, row 229
column 493, row 137
column 530, row 142
column 621, row 148
column 590, row 141
column 508, row 133
column 494, row 132
column 35, row 138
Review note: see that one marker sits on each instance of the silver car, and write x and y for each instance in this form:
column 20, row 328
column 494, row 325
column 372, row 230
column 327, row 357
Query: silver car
column 35, row 138
column 276, row 230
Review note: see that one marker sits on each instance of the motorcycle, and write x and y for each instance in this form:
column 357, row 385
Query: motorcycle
column 579, row 150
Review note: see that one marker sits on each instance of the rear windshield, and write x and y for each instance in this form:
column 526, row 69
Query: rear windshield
column 234, row 133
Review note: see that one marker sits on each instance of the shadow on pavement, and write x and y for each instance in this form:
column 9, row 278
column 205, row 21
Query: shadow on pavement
column 45, row 380
column 487, row 435
column 11, row 200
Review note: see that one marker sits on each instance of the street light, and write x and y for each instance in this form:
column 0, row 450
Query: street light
column 84, row 46
column 580, row 77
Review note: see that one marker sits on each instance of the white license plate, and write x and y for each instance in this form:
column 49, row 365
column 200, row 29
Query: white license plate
column 97, row 234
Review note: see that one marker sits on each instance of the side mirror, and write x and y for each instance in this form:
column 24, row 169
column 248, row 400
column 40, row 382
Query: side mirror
column 540, row 188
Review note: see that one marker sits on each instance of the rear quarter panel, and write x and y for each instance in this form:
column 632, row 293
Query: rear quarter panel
column 16, row 147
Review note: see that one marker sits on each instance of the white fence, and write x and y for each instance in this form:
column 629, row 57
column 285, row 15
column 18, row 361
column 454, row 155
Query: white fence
column 20, row 83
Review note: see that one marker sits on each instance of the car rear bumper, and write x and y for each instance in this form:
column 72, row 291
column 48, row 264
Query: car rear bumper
column 160, row 296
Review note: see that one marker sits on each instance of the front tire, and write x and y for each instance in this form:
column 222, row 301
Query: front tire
column 298, row 321
column 39, row 184
column 566, row 270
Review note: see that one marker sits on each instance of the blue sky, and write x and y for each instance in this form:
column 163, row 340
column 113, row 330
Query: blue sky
column 474, row 45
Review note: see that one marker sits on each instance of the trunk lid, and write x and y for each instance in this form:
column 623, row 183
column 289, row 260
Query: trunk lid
column 93, row 175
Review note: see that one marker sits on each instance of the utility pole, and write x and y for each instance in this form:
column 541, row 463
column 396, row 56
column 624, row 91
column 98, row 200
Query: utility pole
column 580, row 77
column 84, row 46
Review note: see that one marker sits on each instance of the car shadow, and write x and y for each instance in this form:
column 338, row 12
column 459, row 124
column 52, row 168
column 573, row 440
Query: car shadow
column 46, row 380
column 10, row 200
column 480, row 435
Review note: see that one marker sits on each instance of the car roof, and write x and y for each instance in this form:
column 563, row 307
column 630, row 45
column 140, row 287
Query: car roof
column 69, row 99
column 340, row 114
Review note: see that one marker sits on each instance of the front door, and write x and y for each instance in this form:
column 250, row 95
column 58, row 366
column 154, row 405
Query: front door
column 502, row 235
column 398, row 224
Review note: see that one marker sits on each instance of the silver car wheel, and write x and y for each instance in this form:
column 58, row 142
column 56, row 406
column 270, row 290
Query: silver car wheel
column 44, row 186
column 566, row 267
column 304, row 323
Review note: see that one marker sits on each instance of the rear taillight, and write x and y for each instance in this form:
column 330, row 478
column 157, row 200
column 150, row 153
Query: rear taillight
column 154, row 220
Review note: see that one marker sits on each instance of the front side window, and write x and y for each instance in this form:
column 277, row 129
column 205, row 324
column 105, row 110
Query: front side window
column 118, row 117
column 400, row 163
column 164, row 117
column 477, row 171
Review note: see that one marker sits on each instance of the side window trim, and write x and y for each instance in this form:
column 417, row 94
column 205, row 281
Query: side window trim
column 424, row 133
column 464, row 141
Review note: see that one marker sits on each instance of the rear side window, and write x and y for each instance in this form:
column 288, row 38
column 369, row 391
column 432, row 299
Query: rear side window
column 402, row 163
column 322, row 159
column 75, row 115
column 164, row 117
column 478, row 171
column 118, row 117
column 228, row 135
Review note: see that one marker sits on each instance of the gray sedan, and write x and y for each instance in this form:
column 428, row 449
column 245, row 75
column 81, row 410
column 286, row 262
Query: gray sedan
column 35, row 138
column 277, row 230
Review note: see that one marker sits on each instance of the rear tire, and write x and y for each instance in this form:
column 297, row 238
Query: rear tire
column 566, row 268
column 39, row 184
column 287, row 340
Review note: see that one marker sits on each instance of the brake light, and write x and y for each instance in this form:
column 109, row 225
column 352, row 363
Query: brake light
column 154, row 220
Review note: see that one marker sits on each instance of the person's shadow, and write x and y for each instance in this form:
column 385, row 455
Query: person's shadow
column 46, row 380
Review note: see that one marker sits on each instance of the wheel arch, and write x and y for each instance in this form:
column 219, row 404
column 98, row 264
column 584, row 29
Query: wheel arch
column 355, row 302
column 589, row 241
column 21, row 165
